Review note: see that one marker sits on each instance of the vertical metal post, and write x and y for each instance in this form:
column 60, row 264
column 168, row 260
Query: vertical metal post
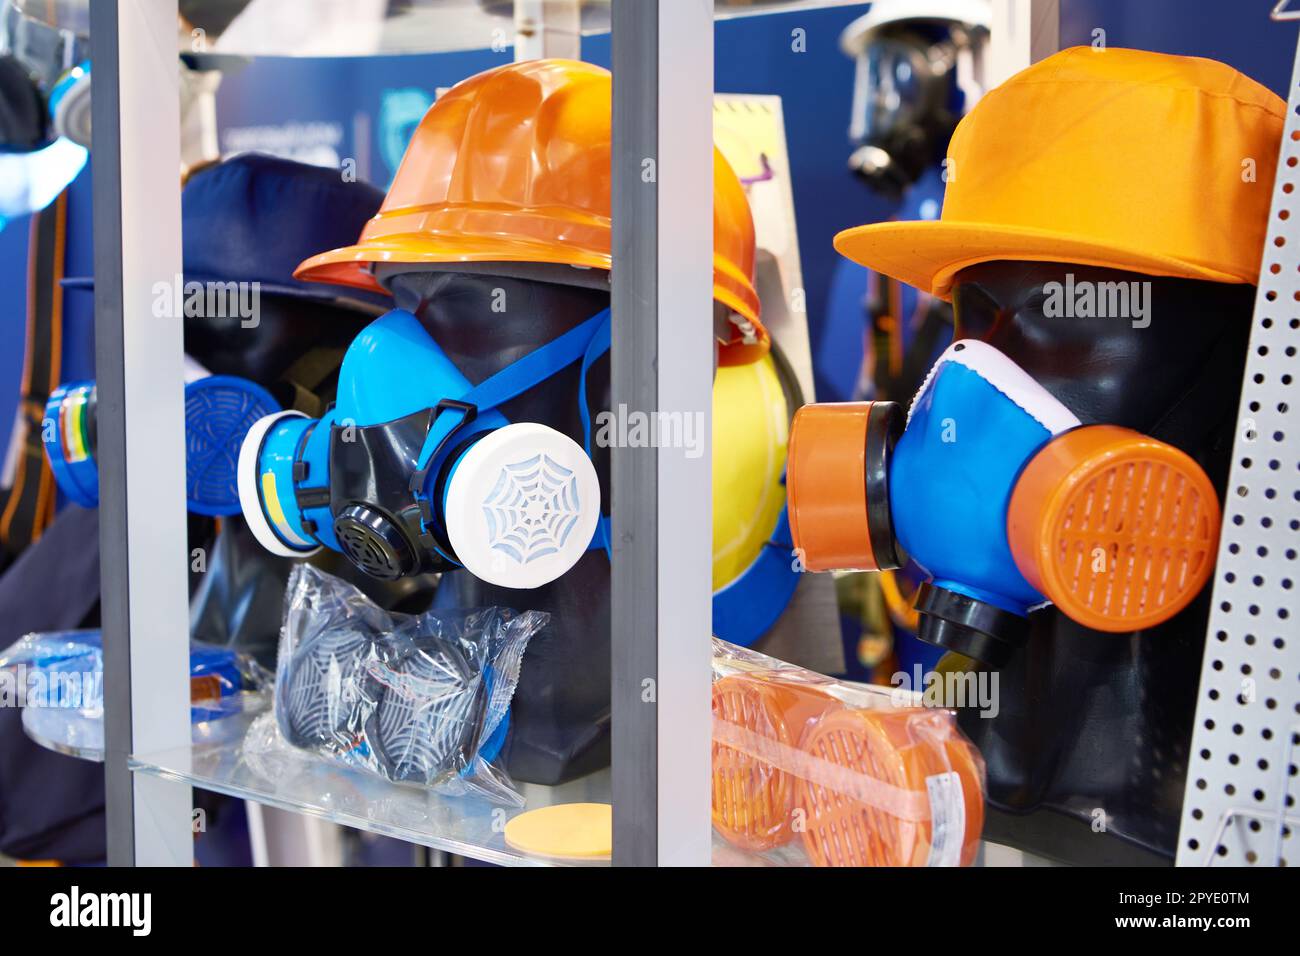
column 662, row 366
column 1023, row 32
column 548, row 28
column 141, row 429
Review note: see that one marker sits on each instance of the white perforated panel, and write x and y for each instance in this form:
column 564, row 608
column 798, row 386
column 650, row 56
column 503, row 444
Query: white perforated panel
column 1240, row 804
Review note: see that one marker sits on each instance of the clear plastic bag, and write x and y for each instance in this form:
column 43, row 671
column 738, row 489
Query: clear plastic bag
column 421, row 699
column 58, row 680
column 810, row 769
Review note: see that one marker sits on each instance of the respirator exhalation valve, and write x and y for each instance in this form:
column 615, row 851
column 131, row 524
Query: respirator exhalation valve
column 374, row 543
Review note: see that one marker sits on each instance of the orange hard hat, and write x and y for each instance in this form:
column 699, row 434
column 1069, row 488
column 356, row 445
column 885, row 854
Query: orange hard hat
column 513, row 165
column 1099, row 157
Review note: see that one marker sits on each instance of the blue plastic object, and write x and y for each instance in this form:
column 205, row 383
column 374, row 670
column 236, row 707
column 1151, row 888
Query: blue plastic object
column 68, row 81
column 951, row 480
column 219, row 411
column 490, row 749
column 218, row 662
column 749, row 605
column 68, row 445
column 74, row 661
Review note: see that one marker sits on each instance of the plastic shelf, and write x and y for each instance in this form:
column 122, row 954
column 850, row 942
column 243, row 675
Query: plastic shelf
column 467, row 827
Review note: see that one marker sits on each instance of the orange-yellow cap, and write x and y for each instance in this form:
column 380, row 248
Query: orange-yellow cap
column 1139, row 161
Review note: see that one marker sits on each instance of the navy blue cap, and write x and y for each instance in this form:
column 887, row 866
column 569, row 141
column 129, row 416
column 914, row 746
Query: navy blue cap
column 254, row 218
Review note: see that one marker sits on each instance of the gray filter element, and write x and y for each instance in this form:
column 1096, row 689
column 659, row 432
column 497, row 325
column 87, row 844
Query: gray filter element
column 318, row 690
column 416, row 709
column 410, row 698
column 428, row 714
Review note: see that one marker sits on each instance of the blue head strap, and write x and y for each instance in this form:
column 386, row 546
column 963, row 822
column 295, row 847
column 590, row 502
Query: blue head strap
column 585, row 342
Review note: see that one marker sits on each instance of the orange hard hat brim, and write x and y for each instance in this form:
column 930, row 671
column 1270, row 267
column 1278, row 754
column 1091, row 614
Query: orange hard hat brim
column 353, row 266
column 929, row 254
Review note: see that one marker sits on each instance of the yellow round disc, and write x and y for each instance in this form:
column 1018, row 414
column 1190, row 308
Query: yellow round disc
column 566, row 831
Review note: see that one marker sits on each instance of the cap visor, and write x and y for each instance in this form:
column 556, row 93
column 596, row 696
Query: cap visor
column 928, row 255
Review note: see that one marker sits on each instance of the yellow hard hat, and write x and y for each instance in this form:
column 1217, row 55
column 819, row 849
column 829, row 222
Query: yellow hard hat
column 751, row 426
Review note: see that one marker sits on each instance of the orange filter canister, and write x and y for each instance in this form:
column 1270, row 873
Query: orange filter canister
column 837, row 481
column 1119, row 530
column 920, row 799
column 755, row 716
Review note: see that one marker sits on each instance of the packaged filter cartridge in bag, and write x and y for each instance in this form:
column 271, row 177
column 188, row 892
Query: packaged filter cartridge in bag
column 59, row 680
column 421, row 699
column 808, row 769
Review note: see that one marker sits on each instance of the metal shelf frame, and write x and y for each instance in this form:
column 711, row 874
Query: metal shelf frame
column 1239, row 807
column 139, row 362
column 662, row 321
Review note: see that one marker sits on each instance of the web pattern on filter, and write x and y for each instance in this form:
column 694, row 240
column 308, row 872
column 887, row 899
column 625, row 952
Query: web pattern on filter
column 532, row 509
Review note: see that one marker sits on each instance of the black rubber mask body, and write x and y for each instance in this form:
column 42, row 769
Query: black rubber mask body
column 1091, row 722
column 377, row 521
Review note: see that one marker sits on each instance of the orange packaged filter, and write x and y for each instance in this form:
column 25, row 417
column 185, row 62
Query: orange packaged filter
column 753, row 798
column 807, row 769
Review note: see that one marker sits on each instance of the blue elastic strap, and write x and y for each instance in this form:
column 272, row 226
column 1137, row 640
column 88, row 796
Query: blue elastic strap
column 515, row 379
column 597, row 347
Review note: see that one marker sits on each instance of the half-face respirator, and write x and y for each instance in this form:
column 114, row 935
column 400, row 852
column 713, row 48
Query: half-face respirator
column 219, row 410
column 416, row 470
column 45, row 79
column 1007, row 500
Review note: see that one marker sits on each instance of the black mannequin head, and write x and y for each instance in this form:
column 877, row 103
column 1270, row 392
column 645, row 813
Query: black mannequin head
column 560, row 713
column 1091, row 719
column 1131, row 369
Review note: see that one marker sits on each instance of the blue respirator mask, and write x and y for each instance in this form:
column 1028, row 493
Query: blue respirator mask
column 999, row 492
column 415, row 470
column 219, row 410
